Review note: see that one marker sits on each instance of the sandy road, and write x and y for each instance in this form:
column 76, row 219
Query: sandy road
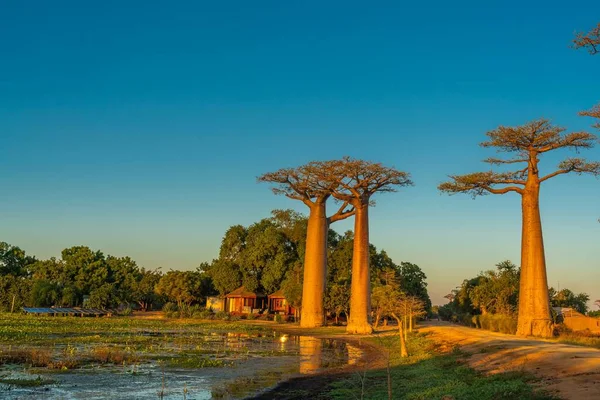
column 571, row 372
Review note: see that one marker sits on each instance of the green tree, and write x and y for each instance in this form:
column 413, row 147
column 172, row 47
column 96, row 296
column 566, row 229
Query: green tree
column 103, row 297
column 91, row 271
column 266, row 258
column 182, row 287
column 143, row 289
column 226, row 275
column 14, row 261
column 14, row 292
column 44, row 294
column 497, row 291
column 566, row 298
column 413, row 282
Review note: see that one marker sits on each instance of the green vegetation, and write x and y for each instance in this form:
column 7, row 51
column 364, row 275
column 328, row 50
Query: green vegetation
column 65, row 343
column 489, row 301
column 429, row 374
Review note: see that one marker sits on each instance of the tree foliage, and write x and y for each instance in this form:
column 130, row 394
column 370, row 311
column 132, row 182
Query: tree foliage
column 588, row 40
column 566, row 298
column 182, row 287
column 493, row 291
column 527, row 142
column 357, row 180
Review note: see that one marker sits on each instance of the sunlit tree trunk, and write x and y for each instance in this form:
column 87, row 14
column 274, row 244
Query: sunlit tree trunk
column 402, row 335
column 534, row 304
column 360, row 291
column 315, row 268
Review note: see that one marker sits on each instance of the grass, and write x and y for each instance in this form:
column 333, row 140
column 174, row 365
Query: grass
column 66, row 343
column 580, row 339
column 431, row 374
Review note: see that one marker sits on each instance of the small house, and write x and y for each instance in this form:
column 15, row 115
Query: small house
column 279, row 305
column 577, row 321
column 244, row 301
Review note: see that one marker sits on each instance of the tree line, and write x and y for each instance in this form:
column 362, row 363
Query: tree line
column 494, row 294
column 268, row 255
column 264, row 257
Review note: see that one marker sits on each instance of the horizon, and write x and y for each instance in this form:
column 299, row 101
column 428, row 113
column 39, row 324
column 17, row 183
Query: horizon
column 145, row 139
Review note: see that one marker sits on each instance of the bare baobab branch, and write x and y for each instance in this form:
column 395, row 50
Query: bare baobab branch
column 576, row 165
column 481, row 183
column 499, row 161
column 594, row 113
column 589, row 40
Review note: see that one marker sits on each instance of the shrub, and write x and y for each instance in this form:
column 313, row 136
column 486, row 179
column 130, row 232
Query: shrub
column 203, row 314
column 251, row 316
column 223, row 315
column 278, row 318
column 185, row 311
column 169, row 307
column 125, row 312
column 496, row 323
column 194, row 309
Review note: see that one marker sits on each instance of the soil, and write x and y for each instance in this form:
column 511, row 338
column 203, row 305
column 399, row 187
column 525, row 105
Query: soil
column 570, row 372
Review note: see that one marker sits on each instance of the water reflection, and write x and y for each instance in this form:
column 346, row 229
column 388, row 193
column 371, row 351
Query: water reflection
column 311, row 354
column 317, row 354
column 354, row 354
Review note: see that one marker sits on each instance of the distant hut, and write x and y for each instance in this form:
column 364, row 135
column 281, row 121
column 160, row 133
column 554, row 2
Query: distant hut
column 279, row 305
column 244, row 301
column 577, row 321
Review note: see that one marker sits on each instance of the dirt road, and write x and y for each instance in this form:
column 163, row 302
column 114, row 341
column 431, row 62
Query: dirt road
column 571, row 372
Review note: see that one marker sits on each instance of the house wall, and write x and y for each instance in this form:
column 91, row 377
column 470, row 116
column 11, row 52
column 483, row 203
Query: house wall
column 582, row 323
column 215, row 303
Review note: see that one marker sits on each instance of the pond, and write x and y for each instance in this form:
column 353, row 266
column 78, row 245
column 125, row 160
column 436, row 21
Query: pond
column 204, row 366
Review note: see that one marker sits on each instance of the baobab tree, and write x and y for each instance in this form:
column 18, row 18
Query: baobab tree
column 360, row 180
column 527, row 142
column 311, row 184
column 589, row 41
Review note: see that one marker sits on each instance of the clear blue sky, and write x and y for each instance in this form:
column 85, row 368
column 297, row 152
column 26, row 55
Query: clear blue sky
column 139, row 127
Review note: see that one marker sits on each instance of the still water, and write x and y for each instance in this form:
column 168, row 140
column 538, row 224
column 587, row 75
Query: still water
column 254, row 362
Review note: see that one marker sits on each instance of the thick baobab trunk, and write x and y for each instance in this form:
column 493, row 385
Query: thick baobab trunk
column 534, row 303
column 315, row 268
column 360, row 291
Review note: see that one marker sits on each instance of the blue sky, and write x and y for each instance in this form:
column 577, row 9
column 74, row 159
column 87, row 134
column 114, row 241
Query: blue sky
column 139, row 128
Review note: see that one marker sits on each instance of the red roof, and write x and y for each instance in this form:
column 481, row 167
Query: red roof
column 242, row 292
column 278, row 294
